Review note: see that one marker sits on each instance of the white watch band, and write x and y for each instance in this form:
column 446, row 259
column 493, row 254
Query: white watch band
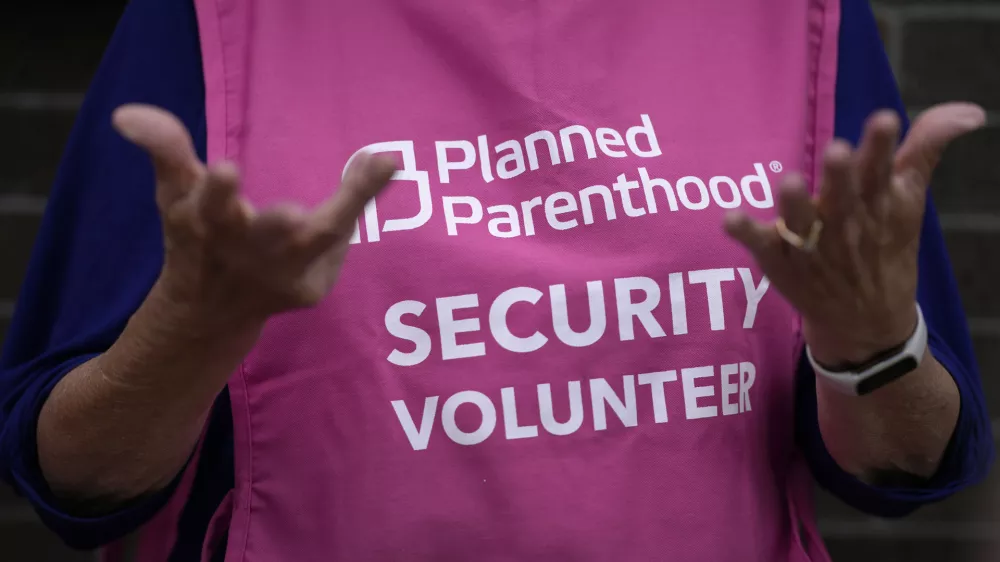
column 882, row 371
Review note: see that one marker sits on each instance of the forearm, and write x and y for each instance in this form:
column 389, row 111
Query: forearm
column 903, row 427
column 123, row 424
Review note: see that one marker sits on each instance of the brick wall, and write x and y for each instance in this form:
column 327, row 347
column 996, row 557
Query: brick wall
column 941, row 50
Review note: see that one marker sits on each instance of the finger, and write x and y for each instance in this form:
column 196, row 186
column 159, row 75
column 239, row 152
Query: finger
column 839, row 192
column 795, row 205
column 277, row 229
column 365, row 178
column 931, row 133
column 759, row 238
column 219, row 203
column 169, row 145
column 875, row 155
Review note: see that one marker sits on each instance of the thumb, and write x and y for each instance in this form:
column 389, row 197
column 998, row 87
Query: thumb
column 931, row 133
column 168, row 143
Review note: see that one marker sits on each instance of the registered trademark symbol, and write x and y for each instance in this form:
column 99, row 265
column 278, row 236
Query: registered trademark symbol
column 776, row 166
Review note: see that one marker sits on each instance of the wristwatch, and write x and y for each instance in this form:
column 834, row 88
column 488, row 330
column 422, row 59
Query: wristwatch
column 858, row 380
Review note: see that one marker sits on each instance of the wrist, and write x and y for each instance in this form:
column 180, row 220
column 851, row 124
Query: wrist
column 837, row 347
column 169, row 339
column 188, row 312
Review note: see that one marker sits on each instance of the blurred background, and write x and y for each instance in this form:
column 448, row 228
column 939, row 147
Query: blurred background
column 941, row 50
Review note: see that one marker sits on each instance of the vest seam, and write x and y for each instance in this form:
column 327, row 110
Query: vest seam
column 823, row 24
column 216, row 68
column 248, row 453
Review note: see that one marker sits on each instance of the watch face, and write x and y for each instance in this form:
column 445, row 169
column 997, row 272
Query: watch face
column 887, row 375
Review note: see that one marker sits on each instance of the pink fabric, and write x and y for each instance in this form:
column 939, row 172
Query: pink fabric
column 154, row 541
column 531, row 355
column 156, row 538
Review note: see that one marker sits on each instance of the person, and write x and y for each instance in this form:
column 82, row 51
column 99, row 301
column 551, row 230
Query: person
column 537, row 343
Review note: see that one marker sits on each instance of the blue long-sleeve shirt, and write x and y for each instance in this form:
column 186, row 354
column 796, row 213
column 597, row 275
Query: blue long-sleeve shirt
column 100, row 250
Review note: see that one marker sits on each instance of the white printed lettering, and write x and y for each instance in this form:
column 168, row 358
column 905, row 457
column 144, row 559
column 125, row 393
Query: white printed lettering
column 548, row 413
column 445, row 166
column 645, row 129
column 766, row 201
column 692, row 393
column 418, row 438
column 407, row 172
column 420, row 339
column 733, row 200
column 649, row 183
column 484, row 158
column 609, row 203
column 486, row 426
column 452, row 220
column 510, row 219
column 643, row 310
column 624, row 188
column 512, row 429
column 678, row 306
column 655, row 382
column 529, row 221
column 553, row 209
column 603, row 398
column 607, row 139
column 567, row 141
column 683, row 195
column 713, row 278
column 560, row 315
column 498, row 320
column 729, row 389
column 635, row 301
column 602, row 394
column 550, row 141
column 450, row 327
column 516, row 157
column 747, row 374
column 754, row 294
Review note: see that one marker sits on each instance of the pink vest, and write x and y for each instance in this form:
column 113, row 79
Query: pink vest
column 543, row 347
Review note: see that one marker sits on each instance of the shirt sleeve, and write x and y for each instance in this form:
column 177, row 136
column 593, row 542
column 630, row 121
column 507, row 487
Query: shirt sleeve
column 866, row 84
column 99, row 249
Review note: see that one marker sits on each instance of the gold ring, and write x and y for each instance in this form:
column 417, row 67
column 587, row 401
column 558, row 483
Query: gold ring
column 807, row 244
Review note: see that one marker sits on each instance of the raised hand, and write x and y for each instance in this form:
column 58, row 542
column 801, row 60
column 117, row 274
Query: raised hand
column 224, row 258
column 847, row 259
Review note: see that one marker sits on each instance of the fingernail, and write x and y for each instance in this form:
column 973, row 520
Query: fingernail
column 838, row 150
column 361, row 159
column 732, row 220
column 385, row 163
column 123, row 127
column 246, row 209
column 972, row 116
column 793, row 180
